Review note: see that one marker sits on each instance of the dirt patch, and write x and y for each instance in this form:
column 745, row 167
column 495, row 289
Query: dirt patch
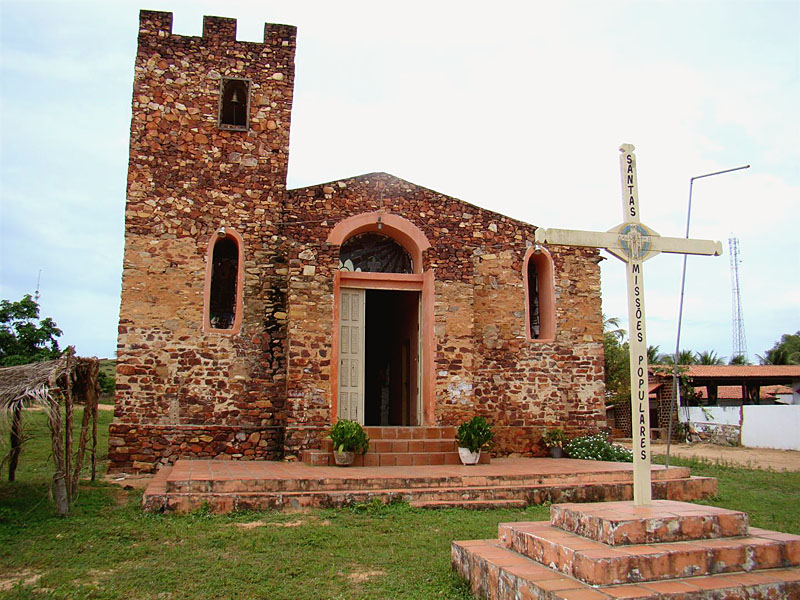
column 752, row 458
column 10, row 580
column 295, row 523
column 105, row 407
column 359, row 576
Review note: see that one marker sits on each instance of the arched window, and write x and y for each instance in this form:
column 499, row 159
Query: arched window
column 374, row 253
column 224, row 276
column 537, row 275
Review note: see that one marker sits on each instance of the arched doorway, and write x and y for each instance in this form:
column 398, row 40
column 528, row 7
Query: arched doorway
column 382, row 366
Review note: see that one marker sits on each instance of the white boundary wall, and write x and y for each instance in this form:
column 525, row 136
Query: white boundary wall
column 772, row 427
column 764, row 426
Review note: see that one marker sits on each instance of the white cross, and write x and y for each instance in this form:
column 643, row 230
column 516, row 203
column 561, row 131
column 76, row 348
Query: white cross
column 633, row 243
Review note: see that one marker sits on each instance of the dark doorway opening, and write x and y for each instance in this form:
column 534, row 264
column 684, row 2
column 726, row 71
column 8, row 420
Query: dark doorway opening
column 391, row 358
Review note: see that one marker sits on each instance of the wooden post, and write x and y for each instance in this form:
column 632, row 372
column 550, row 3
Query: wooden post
column 68, row 425
column 16, row 441
column 94, row 436
column 59, row 483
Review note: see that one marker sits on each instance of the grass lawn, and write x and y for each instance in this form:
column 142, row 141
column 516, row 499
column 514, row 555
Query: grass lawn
column 108, row 548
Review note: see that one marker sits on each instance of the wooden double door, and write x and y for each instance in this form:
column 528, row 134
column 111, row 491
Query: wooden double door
column 379, row 356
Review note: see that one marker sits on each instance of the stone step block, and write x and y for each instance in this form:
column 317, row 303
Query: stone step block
column 222, row 495
column 501, row 574
column 664, row 521
column 556, row 489
column 600, row 564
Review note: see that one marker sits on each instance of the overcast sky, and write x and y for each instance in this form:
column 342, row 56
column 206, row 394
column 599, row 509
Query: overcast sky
column 518, row 107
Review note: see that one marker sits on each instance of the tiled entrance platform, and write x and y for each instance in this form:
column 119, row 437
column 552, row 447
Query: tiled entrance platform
column 225, row 485
column 669, row 550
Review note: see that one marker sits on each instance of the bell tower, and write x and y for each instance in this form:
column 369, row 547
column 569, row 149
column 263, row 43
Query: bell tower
column 209, row 149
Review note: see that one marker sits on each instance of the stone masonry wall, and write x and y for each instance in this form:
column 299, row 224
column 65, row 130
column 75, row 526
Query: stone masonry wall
column 180, row 390
column 483, row 362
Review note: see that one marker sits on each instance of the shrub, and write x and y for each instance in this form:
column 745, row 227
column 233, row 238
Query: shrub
column 597, row 447
column 474, row 434
column 554, row 438
column 349, row 436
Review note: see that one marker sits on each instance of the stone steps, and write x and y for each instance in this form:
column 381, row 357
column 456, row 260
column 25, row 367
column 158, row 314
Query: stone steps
column 615, row 550
column 599, row 564
column 177, row 491
column 502, row 574
column 399, row 447
column 349, row 478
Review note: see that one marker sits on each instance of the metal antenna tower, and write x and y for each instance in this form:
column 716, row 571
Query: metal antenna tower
column 739, row 339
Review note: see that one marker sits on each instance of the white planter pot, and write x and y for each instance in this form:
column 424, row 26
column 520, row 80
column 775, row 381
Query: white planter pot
column 469, row 458
column 343, row 459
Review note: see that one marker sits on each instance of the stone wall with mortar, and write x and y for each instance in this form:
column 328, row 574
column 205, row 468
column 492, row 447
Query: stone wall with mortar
column 180, row 390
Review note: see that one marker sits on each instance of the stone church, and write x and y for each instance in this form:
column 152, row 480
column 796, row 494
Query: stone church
column 253, row 316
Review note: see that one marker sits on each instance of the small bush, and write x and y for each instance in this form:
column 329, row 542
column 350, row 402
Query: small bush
column 349, row 436
column 597, row 447
column 474, row 434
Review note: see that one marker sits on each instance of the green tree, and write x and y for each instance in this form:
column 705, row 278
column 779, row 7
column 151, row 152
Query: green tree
column 24, row 338
column 617, row 361
column 709, row 357
column 784, row 352
column 739, row 359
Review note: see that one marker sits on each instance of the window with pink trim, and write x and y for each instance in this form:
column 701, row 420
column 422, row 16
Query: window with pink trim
column 223, row 292
column 539, row 295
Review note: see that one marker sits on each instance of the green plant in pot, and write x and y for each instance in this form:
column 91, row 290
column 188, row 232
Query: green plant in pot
column 348, row 438
column 472, row 436
column 555, row 439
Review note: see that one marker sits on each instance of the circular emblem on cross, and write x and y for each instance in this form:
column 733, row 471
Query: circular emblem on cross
column 634, row 240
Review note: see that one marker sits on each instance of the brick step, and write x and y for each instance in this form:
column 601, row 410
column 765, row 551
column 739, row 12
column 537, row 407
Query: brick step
column 378, row 446
column 404, row 458
column 226, row 495
column 597, row 563
column 620, row 523
column 428, row 432
column 372, row 478
column 496, row 572
column 473, row 504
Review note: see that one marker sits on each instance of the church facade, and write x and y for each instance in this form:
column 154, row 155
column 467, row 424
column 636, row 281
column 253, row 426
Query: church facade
column 254, row 316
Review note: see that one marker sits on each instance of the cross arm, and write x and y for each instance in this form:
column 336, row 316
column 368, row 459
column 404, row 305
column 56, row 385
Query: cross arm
column 576, row 237
column 612, row 241
column 687, row 246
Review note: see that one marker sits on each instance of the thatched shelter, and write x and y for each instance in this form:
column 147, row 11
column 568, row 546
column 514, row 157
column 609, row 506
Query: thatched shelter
column 52, row 385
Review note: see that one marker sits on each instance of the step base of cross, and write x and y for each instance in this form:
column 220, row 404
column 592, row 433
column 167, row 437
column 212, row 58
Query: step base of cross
column 708, row 553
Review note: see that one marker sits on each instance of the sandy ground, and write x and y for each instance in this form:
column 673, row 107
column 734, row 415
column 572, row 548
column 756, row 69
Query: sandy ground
column 754, row 458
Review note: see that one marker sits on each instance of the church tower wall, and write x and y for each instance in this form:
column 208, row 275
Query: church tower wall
column 184, row 386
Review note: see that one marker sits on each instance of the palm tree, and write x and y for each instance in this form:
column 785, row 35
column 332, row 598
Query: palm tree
column 784, row 352
column 612, row 327
column 709, row 357
column 739, row 359
column 653, row 356
column 685, row 357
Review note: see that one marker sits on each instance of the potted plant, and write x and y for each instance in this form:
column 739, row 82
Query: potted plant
column 473, row 435
column 555, row 439
column 348, row 437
